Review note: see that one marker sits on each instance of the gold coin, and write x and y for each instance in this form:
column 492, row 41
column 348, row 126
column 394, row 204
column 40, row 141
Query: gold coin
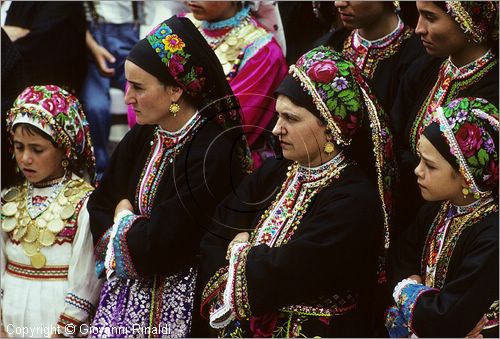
column 11, row 194
column 41, row 222
column 9, row 209
column 231, row 41
column 24, row 221
column 9, row 224
column 48, row 216
column 30, row 248
column 38, row 260
column 62, row 200
column 224, row 47
column 31, row 233
column 68, row 192
column 66, row 212
column 19, row 233
column 47, row 238
column 55, row 226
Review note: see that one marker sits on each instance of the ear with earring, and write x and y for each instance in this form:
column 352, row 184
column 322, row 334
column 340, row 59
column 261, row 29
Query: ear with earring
column 174, row 108
column 65, row 163
column 328, row 147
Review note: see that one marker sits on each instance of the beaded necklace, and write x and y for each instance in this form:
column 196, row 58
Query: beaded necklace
column 164, row 148
column 41, row 205
column 451, row 80
column 278, row 223
column 234, row 21
column 444, row 234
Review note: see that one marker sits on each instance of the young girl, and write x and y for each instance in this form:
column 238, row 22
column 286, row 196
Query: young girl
column 450, row 260
column 48, row 273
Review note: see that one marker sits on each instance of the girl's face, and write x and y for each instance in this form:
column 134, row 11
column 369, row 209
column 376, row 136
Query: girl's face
column 36, row 156
column 436, row 178
column 440, row 34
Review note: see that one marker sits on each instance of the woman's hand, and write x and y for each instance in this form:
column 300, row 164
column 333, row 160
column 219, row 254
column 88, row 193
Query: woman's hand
column 476, row 331
column 239, row 238
column 124, row 204
column 15, row 32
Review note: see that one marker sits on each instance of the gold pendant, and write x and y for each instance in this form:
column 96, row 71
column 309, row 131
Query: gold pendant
column 55, row 226
column 46, row 238
column 9, row 224
column 38, row 260
column 30, row 248
column 66, row 212
column 11, row 194
column 31, row 234
column 19, row 233
column 9, row 209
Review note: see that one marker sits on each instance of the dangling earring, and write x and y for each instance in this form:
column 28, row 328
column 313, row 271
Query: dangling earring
column 174, row 108
column 465, row 192
column 397, row 7
column 65, row 163
column 329, row 147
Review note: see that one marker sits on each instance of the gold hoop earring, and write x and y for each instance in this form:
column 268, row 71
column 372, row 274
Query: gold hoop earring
column 174, row 108
column 65, row 163
column 329, row 146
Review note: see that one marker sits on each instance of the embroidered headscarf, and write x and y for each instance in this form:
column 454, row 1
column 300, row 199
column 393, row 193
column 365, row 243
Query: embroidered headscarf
column 465, row 132
column 176, row 53
column 333, row 89
column 477, row 19
column 60, row 115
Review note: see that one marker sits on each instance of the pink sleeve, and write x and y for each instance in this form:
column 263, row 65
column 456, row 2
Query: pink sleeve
column 255, row 84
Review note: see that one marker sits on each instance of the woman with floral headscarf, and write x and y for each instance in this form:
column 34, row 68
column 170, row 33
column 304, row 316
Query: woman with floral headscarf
column 309, row 266
column 163, row 183
column 466, row 34
column 448, row 264
column 49, row 284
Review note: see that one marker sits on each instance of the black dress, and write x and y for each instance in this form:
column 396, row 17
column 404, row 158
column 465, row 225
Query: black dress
column 466, row 281
column 328, row 263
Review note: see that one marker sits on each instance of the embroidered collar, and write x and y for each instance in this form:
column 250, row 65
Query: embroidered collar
column 181, row 132
column 232, row 22
column 384, row 41
column 471, row 67
column 461, row 210
column 307, row 174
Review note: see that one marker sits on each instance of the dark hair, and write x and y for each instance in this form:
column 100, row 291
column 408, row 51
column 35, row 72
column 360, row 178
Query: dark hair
column 33, row 130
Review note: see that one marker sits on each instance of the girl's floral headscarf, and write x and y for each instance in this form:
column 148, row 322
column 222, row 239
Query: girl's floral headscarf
column 176, row 53
column 60, row 115
column 465, row 132
column 477, row 19
column 333, row 89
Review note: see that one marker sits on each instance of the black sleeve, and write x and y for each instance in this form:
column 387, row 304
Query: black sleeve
column 459, row 305
column 333, row 251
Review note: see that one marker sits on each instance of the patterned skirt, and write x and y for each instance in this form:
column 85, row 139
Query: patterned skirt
column 146, row 308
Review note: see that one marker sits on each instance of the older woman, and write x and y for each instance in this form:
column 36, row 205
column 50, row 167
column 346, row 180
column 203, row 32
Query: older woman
column 309, row 266
column 448, row 265
column 49, row 284
column 164, row 180
column 466, row 34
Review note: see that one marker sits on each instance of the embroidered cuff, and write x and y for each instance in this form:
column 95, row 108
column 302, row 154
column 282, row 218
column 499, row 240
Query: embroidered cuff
column 100, row 252
column 213, row 287
column 124, row 266
column 68, row 326
column 224, row 312
column 399, row 287
column 408, row 299
column 80, row 304
column 395, row 323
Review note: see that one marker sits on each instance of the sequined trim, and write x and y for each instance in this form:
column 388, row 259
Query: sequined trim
column 124, row 267
column 367, row 58
column 44, row 273
column 492, row 315
column 449, row 83
column 337, row 305
column 241, row 301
